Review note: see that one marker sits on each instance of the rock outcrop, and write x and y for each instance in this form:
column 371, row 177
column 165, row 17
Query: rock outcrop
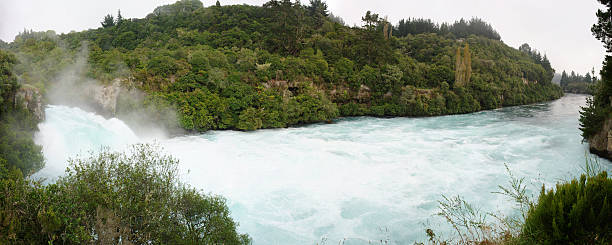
column 601, row 143
column 364, row 93
column 106, row 96
column 30, row 98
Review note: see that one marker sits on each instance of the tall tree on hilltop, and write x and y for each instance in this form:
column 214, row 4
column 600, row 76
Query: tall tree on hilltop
column 371, row 20
column 119, row 20
column 108, row 21
column 318, row 10
column 525, row 48
column 374, row 49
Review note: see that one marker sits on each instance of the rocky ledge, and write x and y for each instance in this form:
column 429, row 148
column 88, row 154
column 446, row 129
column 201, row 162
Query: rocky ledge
column 30, row 98
column 601, row 143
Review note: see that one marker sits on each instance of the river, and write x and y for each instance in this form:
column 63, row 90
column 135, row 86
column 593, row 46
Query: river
column 359, row 179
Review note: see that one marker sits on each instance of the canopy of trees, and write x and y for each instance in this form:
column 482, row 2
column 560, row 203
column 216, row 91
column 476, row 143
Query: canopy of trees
column 248, row 67
column 459, row 29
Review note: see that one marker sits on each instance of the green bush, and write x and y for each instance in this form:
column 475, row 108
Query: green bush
column 132, row 197
column 249, row 120
column 577, row 212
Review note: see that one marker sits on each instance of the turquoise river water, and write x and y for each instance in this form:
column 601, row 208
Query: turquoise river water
column 356, row 180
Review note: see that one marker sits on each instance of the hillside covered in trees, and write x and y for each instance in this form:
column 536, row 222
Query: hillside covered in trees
column 249, row 67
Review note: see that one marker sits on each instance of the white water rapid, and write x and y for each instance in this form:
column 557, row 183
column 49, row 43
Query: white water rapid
column 363, row 179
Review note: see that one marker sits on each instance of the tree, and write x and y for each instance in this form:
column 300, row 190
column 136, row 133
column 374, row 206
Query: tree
column 463, row 66
column 371, row 20
column 603, row 29
column 468, row 63
column 318, row 10
column 592, row 116
column 550, row 71
column 119, row 20
column 387, row 29
column 564, row 79
column 288, row 28
column 587, row 78
column 108, row 21
column 525, row 48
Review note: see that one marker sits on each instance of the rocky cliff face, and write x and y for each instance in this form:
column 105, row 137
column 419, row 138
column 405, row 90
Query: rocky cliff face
column 30, row 98
column 601, row 143
column 105, row 97
column 100, row 98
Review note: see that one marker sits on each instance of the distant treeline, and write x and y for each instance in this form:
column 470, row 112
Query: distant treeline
column 576, row 83
column 459, row 29
column 574, row 77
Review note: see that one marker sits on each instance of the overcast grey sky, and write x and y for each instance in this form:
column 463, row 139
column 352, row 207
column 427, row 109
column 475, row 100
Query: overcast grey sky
column 558, row 28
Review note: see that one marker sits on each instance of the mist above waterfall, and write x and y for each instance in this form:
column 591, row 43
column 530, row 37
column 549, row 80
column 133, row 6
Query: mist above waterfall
column 72, row 87
column 116, row 96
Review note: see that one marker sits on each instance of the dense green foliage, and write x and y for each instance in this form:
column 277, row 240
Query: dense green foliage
column 577, row 212
column 459, row 29
column 248, row 67
column 599, row 108
column 130, row 198
column 576, row 83
column 17, row 124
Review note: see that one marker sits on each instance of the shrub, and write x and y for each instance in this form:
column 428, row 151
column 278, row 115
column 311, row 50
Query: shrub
column 576, row 212
column 132, row 197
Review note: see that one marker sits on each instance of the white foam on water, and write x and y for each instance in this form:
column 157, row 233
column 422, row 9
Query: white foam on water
column 361, row 178
column 70, row 131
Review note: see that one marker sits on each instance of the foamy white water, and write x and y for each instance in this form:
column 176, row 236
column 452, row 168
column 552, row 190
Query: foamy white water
column 360, row 179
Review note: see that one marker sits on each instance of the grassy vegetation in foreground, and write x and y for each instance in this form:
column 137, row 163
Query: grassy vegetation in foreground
column 578, row 211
